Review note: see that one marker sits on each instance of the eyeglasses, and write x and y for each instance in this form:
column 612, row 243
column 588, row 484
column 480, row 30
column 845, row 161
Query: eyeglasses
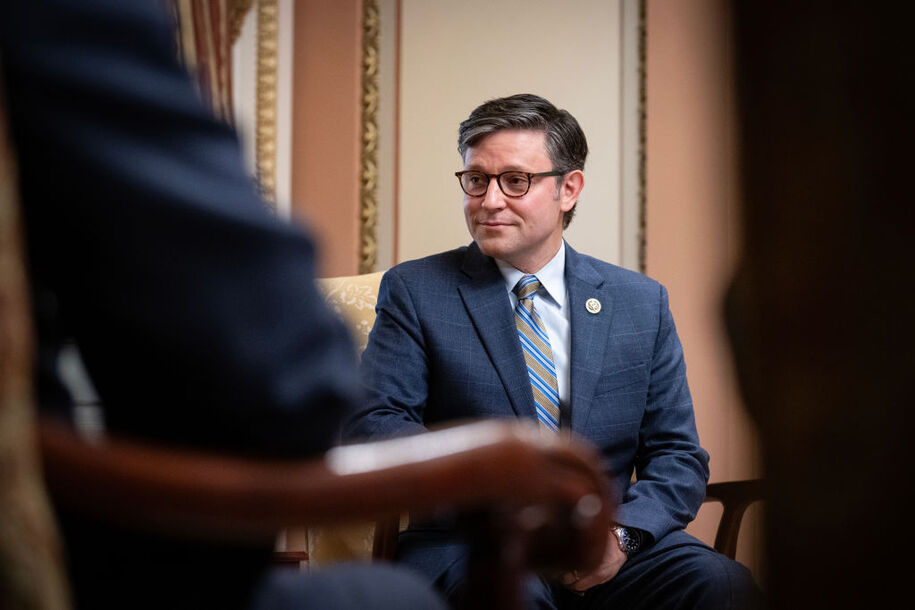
column 512, row 183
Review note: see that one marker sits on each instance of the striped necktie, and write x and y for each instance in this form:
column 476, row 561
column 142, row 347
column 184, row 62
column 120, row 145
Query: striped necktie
column 535, row 343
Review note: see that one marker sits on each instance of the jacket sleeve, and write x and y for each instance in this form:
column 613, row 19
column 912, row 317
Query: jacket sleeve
column 193, row 307
column 394, row 368
column 671, row 467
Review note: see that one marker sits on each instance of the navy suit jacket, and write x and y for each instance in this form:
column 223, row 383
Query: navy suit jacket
column 445, row 347
column 194, row 308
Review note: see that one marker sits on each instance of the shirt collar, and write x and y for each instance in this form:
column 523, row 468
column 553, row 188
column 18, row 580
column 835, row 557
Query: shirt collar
column 551, row 276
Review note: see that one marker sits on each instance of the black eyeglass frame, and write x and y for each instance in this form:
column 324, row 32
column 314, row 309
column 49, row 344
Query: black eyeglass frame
column 498, row 177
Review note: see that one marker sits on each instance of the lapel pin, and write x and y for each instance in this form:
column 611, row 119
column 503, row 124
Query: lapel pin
column 592, row 305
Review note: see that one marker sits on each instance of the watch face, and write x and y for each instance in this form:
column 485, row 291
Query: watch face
column 630, row 541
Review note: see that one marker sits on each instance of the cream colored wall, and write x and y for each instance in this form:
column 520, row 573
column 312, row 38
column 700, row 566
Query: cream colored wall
column 583, row 58
column 455, row 55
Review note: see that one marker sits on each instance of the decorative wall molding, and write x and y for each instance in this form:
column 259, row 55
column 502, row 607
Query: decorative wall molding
column 368, row 188
column 205, row 33
column 237, row 11
column 266, row 103
column 643, row 131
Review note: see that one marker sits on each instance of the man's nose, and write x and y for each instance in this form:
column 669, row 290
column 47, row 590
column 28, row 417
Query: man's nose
column 493, row 198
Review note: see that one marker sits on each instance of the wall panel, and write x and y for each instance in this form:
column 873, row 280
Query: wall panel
column 455, row 55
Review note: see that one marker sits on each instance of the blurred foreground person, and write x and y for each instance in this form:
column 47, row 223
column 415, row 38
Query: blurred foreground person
column 194, row 309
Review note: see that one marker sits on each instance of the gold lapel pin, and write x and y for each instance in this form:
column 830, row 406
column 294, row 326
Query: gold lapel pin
column 592, row 305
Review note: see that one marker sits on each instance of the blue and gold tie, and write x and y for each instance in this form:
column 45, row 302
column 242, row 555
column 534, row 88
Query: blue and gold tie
column 535, row 343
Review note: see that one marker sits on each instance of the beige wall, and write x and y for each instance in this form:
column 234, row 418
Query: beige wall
column 691, row 229
column 455, row 55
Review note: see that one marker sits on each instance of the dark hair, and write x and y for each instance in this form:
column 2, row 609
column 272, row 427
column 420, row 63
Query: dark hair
column 566, row 144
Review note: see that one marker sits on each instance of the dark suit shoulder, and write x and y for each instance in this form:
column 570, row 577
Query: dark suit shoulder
column 613, row 276
column 441, row 265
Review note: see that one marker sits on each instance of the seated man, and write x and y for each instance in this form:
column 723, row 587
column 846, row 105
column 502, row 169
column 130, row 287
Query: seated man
column 518, row 324
column 194, row 308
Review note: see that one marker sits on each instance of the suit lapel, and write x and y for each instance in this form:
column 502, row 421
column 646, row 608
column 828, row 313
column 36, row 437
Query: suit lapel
column 489, row 308
column 590, row 332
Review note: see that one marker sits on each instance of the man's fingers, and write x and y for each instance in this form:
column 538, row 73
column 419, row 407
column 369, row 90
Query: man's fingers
column 583, row 584
column 568, row 579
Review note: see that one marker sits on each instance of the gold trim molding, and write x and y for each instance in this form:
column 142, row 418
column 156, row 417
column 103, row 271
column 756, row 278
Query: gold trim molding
column 368, row 188
column 238, row 9
column 266, row 119
column 265, row 105
column 643, row 134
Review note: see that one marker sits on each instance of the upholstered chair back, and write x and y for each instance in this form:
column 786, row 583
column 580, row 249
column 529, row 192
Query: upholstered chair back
column 353, row 298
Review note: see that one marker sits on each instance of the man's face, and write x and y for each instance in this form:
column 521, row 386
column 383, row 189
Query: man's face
column 525, row 232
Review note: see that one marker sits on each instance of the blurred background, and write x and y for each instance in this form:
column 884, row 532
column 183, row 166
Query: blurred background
column 349, row 112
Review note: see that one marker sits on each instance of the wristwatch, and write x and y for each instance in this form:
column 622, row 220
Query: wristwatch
column 629, row 539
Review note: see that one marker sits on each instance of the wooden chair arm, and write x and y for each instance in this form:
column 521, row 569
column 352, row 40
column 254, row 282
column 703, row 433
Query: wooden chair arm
column 384, row 542
column 735, row 497
column 499, row 467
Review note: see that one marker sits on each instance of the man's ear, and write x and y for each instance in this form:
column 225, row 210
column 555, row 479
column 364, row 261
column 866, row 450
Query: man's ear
column 571, row 186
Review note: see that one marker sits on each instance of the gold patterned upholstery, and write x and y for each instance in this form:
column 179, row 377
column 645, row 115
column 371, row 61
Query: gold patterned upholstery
column 353, row 298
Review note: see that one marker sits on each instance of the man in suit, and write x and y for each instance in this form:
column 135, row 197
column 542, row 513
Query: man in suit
column 194, row 308
column 519, row 324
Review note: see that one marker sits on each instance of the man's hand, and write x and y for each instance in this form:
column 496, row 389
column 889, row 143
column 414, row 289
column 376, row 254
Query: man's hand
column 613, row 560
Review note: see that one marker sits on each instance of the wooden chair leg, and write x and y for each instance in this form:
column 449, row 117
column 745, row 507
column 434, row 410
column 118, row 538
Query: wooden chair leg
column 384, row 544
